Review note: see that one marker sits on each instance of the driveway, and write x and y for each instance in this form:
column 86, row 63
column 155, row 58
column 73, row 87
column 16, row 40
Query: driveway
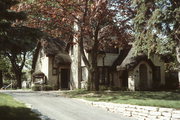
column 57, row 107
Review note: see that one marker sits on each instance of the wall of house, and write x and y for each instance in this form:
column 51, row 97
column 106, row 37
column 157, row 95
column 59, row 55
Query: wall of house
column 52, row 75
column 158, row 62
column 42, row 64
column 149, row 75
column 75, row 74
column 131, row 80
column 117, row 80
column 84, row 77
column 45, row 65
column 108, row 59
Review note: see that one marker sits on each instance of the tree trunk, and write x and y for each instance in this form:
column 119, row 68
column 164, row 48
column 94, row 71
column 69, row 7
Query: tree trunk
column 17, row 66
column 178, row 59
column 93, row 80
column 96, row 79
column 1, row 79
column 93, row 72
column 18, row 78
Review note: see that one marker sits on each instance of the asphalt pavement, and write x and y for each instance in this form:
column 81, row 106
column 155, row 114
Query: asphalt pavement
column 56, row 107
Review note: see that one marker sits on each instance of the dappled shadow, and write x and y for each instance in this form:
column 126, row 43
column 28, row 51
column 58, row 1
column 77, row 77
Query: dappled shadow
column 19, row 113
column 141, row 95
column 163, row 95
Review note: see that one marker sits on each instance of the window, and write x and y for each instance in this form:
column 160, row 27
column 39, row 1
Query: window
column 103, row 75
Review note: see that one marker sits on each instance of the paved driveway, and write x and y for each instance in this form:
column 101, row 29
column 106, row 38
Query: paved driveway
column 57, row 107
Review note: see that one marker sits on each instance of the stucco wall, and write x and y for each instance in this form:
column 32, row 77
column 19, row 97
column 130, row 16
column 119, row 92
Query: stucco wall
column 108, row 59
column 131, row 80
column 42, row 63
column 75, row 64
column 53, row 79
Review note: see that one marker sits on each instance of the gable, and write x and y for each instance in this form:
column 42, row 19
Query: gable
column 131, row 60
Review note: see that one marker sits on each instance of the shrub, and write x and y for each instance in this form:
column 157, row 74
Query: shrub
column 47, row 87
column 103, row 87
column 55, row 87
column 36, row 88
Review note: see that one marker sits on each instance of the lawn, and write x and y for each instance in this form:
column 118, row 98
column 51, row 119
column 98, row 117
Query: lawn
column 10, row 109
column 169, row 99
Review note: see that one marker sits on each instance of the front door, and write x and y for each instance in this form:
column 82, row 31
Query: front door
column 65, row 78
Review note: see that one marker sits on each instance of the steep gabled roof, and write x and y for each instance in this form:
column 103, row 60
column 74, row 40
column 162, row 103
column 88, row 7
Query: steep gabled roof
column 62, row 58
column 52, row 47
column 123, row 54
column 132, row 60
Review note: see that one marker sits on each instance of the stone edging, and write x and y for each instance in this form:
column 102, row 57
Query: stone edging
column 139, row 112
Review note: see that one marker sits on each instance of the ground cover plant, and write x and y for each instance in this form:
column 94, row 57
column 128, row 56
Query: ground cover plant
column 10, row 109
column 169, row 99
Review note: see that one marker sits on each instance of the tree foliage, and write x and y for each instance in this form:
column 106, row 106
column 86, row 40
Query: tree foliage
column 15, row 38
column 92, row 23
column 4, row 68
column 156, row 25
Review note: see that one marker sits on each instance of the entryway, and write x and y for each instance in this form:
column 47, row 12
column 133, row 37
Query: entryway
column 64, row 78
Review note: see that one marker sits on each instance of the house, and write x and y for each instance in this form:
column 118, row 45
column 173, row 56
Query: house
column 138, row 72
column 51, row 58
column 60, row 65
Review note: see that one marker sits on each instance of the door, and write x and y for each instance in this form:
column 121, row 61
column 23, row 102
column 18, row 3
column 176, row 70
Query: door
column 143, row 85
column 65, row 78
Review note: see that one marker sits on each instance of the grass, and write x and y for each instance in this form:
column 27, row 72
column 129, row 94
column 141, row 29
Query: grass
column 169, row 99
column 10, row 109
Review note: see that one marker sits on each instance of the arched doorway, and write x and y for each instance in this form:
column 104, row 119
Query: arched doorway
column 143, row 77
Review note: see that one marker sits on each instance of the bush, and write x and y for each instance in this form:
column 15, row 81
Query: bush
column 47, row 87
column 36, row 88
column 55, row 87
column 103, row 87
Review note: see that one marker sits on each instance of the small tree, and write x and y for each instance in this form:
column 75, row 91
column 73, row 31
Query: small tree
column 4, row 66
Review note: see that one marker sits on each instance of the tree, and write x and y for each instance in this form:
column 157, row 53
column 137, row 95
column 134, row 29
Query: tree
column 93, row 23
column 4, row 66
column 157, row 27
column 15, row 39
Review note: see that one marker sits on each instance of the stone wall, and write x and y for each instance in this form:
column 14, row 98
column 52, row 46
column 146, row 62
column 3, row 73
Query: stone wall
column 139, row 112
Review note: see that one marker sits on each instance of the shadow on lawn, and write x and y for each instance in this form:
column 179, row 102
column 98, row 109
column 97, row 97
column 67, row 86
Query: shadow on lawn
column 163, row 95
column 143, row 95
column 17, row 113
